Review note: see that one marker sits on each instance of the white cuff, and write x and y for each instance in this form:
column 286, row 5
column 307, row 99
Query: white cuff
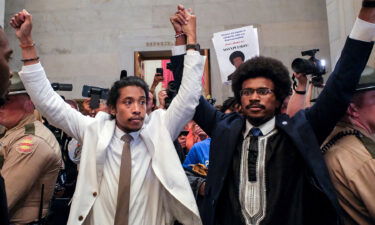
column 363, row 31
column 192, row 52
column 178, row 50
column 32, row 68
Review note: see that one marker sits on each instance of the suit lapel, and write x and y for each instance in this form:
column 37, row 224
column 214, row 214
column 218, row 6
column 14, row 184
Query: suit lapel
column 107, row 129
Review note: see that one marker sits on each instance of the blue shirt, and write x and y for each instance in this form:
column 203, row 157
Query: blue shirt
column 199, row 153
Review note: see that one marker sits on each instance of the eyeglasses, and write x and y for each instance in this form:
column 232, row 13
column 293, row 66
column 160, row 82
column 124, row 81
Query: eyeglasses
column 260, row 91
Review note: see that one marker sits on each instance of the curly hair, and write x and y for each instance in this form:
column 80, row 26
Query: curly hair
column 235, row 55
column 229, row 103
column 114, row 92
column 266, row 67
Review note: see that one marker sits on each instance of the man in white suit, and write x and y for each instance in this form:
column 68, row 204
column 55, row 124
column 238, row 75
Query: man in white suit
column 159, row 190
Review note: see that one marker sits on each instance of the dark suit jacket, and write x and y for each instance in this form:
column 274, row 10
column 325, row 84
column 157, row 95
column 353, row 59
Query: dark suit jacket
column 307, row 130
column 3, row 204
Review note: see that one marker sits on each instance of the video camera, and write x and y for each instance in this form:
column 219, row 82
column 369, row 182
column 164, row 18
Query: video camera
column 313, row 66
column 95, row 93
column 62, row 87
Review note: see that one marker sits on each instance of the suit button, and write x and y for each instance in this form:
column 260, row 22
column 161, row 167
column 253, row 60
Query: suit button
column 80, row 218
column 94, row 194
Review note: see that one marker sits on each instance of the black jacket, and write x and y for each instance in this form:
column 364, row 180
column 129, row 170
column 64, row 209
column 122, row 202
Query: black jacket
column 3, row 204
column 306, row 130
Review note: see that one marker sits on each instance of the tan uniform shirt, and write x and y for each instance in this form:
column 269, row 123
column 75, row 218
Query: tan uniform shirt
column 352, row 171
column 32, row 157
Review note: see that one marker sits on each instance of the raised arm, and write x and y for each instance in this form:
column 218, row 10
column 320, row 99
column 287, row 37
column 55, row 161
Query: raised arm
column 183, row 105
column 298, row 98
column 335, row 97
column 50, row 104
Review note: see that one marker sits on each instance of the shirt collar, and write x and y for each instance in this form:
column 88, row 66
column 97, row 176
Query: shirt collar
column 119, row 133
column 28, row 119
column 266, row 127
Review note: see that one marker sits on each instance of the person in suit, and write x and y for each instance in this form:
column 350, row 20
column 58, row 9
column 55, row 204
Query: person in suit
column 129, row 170
column 265, row 167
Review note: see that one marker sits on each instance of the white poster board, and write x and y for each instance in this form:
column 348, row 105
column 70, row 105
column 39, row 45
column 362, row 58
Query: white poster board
column 233, row 47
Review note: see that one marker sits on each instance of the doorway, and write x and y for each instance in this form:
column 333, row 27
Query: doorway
column 146, row 63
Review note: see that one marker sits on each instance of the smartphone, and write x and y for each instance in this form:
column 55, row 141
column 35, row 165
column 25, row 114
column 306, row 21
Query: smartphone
column 159, row 72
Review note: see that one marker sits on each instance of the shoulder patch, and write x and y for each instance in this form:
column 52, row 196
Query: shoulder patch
column 25, row 145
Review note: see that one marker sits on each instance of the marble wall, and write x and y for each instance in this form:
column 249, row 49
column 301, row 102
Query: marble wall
column 91, row 41
column 341, row 16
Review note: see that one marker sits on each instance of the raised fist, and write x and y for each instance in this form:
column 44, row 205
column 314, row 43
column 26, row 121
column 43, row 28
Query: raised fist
column 22, row 23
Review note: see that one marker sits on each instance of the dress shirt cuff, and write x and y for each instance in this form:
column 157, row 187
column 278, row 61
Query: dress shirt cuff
column 32, row 68
column 363, row 31
column 192, row 52
column 178, row 50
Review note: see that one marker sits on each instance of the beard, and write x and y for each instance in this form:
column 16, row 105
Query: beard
column 257, row 121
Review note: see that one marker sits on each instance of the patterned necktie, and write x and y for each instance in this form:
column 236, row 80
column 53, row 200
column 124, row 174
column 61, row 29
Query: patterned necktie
column 123, row 197
column 253, row 153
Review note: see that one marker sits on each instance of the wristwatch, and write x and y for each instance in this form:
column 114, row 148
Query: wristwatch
column 196, row 47
column 368, row 4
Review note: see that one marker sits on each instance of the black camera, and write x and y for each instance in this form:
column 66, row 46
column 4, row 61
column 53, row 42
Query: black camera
column 313, row 66
column 62, row 87
column 95, row 93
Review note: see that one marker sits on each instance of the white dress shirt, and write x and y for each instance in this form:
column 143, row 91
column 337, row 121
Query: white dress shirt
column 144, row 190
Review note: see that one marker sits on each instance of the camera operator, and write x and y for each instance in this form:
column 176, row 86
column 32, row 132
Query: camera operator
column 32, row 158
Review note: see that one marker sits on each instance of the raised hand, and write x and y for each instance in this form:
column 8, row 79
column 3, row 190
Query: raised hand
column 302, row 78
column 162, row 95
column 22, row 23
column 189, row 26
column 177, row 20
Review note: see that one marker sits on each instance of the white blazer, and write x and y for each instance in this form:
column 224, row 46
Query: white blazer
column 158, row 133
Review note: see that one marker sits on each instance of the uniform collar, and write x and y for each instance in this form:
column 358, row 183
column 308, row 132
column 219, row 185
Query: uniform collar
column 266, row 127
column 28, row 119
column 344, row 123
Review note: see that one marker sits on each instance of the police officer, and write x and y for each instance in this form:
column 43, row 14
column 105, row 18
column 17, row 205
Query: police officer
column 350, row 154
column 5, row 55
column 32, row 158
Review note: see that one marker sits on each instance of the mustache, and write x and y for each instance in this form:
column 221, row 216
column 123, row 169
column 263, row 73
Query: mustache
column 255, row 105
column 136, row 118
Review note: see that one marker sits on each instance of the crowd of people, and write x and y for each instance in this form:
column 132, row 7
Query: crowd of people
column 265, row 156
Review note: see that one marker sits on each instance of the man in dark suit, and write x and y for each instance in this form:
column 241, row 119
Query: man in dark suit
column 267, row 168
